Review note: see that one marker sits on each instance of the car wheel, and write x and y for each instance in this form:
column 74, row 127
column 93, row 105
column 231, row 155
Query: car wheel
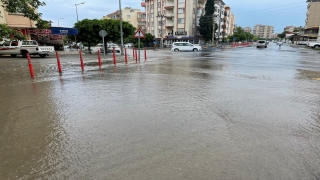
column 316, row 46
column 176, row 50
column 13, row 55
column 195, row 49
column 24, row 54
column 265, row 47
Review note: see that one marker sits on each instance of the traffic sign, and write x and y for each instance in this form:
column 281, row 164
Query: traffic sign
column 139, row 34
column 102, row 33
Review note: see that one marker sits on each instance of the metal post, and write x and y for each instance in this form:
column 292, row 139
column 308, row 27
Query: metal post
column 139, row 48
column 219, row 21
column 213, row 31
column 75, row 37
column 121, row 33
column 161, row 24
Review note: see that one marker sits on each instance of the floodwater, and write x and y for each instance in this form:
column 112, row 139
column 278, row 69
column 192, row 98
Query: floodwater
column 242, row 113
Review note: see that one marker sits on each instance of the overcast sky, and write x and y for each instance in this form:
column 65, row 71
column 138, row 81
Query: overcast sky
column 277, row 13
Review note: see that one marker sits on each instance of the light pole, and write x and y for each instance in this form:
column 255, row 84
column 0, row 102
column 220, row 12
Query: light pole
column 161, row 24
column 77, row 9
column 121, row 33
column 77, row 21
column 58, row 21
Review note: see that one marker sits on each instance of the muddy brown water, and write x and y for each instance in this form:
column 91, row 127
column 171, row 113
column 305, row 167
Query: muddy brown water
column 242, row 113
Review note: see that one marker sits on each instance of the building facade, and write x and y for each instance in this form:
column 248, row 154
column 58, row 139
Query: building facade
column 313, row 20
column 263, row 31
column 178, row 20
column 130, row 15
column 16, row 21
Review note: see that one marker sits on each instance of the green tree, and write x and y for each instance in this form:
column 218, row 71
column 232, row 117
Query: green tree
column 89, row 31
column 282, row 35
column 26, row 7
column 206, row 21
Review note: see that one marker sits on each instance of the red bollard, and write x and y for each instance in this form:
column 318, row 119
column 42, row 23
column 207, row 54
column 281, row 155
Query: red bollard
column 136, row 56
column 81, row 60
column 125, row 56
column 30, row 66
column 114, row 57
column 99, row 58
column 145, row 53
column 133, row 52
column 58, row 61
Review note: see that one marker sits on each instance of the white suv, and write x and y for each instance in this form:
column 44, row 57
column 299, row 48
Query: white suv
column 184, row 46
column 262, row 43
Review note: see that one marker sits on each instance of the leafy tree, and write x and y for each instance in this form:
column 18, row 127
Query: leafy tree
column 206, row 21
column 241, row 35
column 282, row 35
column 9, row 33
column 26, row 7
column 89, row 31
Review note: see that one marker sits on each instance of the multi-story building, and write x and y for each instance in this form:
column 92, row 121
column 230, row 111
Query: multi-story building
column 263, row 31
column 132, row 16
column 313, row 20
column 178, row 20
column 16, row 21
column 247, row 29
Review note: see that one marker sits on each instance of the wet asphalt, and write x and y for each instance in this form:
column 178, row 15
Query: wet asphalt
column 242, row 113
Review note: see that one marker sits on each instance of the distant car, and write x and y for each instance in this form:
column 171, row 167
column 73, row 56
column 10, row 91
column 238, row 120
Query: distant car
column 110, row 47
column 262, row 43
column 185, row 46
column 128, row 45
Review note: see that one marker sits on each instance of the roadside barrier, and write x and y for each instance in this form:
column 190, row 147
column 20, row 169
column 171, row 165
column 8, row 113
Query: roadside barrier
column 125, row 56
column 136, row 55
column 126, row 59
column 30, row 66
column 114, row 56
column 145, row 53
column 99, row 58
column 58, row 61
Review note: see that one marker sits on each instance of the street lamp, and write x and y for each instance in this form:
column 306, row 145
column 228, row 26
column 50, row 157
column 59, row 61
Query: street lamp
column 121, row 33
column 77, row 9
column 58, row 21
column 161, row 24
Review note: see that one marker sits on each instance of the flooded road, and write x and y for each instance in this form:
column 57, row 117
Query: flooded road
column 242, row 113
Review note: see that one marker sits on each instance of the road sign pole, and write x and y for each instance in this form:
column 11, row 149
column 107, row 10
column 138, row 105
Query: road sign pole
column 139, row 48
column 104, row 49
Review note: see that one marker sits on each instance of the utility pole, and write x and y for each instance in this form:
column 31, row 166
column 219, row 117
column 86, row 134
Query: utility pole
column 121, row 33
column 219, row 21
column 213, row 29
column 161, row 24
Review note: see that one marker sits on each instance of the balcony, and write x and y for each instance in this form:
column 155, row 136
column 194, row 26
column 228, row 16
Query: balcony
column 169, row 25
column 141, row 19
column 169, row 15
column 168, row 6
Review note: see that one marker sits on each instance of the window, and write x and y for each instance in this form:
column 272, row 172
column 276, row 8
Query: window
column 180, row 10
column 181, row 1
column 7, row 43
column 181, row 20
column 159, row 4
column 180, row 29
column 128, row 16
column 14, row 43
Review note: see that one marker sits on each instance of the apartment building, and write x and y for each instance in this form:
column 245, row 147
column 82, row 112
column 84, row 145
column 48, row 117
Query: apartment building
column 263, row 31
column 130, row 15
column 291, row 28
column 313, row 20
column 247, row 29
column 178, row 20
column 16, row 21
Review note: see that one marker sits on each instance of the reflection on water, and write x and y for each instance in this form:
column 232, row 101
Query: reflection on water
column 224, row 115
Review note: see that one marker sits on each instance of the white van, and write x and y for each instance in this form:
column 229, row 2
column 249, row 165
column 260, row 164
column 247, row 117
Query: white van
column 184, row 46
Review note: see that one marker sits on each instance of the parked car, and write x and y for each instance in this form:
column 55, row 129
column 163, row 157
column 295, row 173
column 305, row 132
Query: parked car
column 313, row 44
column 128, row 45
column 185, row 46
column 261, row 43
column 110, row 47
